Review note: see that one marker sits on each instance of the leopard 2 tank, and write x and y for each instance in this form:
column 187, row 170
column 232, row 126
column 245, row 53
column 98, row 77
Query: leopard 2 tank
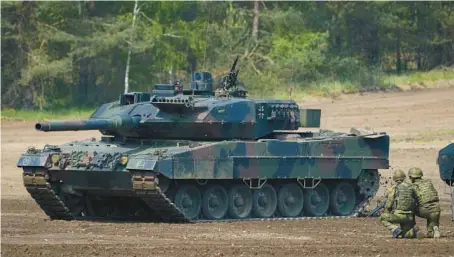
column 198, row 154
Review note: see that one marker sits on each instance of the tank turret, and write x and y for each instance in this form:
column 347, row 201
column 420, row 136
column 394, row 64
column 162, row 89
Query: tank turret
column 193, row 114
column 192, row 117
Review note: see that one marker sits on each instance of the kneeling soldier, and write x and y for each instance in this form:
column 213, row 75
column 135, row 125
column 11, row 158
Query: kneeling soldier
column 398, row 215
column 428, row 203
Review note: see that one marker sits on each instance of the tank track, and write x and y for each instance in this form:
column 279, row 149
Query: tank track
column 35, row 182
column 162, row 207
column 168, row 211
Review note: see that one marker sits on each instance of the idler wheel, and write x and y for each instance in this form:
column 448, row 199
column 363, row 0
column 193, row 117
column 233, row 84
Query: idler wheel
column 343, row 199
column 290, row 200
column 368, row 182
column 188, row 199
column 215, row 202
column 75, row 204
column 264, row 201
column 240, row 201
column 316, row 200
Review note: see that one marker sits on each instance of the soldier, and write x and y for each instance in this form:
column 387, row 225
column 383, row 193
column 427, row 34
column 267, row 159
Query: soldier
column 398, row 215
column 428, row 205
column 178, row 86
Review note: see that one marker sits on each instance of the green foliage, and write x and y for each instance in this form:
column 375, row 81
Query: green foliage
column 69, row 54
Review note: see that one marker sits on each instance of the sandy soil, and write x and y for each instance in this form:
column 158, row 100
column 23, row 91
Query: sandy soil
column 26, row 231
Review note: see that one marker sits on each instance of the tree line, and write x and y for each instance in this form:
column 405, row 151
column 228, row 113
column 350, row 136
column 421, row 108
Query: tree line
column 61, row 54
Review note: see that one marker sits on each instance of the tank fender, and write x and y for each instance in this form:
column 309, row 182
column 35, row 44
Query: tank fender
column 34, row 160
column 375, row 136
column 367, row 133
column 163, row 167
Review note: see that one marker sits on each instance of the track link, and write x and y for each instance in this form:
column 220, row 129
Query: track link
column 35, row 181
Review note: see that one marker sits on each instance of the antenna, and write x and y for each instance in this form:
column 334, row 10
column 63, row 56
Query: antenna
column 206, row 38
column 136, row 10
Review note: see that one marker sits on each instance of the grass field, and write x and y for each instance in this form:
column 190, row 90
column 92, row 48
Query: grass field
column 446, row 73
column 378, row 81
column 425, row 136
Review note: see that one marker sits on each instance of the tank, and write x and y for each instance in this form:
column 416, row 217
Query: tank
column 198, row 154
column 445, row 162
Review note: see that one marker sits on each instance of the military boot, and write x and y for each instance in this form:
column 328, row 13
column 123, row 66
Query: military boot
column 415, row 232
column 411, row 233
column 397, row 232
column 436, row 232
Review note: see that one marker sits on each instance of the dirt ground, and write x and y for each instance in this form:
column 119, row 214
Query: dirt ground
column 420, row 123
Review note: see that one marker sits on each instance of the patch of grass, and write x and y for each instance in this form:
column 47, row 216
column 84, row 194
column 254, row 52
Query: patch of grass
column 425, row 136
column 412, row 77
column 375, row 81
column 381, row 82
column 73, row 113
column 333, row 88
column 325, row 89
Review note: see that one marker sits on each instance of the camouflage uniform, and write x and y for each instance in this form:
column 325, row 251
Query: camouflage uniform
column 398, row 215
column 428, row 206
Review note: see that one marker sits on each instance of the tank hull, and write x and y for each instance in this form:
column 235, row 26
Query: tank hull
column 307, row 177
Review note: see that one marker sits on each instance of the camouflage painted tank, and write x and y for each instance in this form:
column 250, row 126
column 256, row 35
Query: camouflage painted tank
column 445, row 163
column 196, row 154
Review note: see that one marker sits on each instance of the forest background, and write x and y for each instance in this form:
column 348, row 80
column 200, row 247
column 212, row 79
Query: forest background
column 73, row 55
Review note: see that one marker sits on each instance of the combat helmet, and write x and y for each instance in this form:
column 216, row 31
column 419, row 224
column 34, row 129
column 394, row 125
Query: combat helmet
column 415, row 173
column 399, row 175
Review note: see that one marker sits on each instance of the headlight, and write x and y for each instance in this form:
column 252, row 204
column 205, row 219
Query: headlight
column 55, row 158
column 124, row 160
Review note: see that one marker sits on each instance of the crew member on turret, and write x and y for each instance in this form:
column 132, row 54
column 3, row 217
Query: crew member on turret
column 178, row 87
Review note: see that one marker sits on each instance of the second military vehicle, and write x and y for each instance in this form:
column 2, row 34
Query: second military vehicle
column 198, row 154
column 445, row 163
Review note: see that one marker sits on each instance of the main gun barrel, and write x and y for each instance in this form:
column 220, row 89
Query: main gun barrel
column 91, row 124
